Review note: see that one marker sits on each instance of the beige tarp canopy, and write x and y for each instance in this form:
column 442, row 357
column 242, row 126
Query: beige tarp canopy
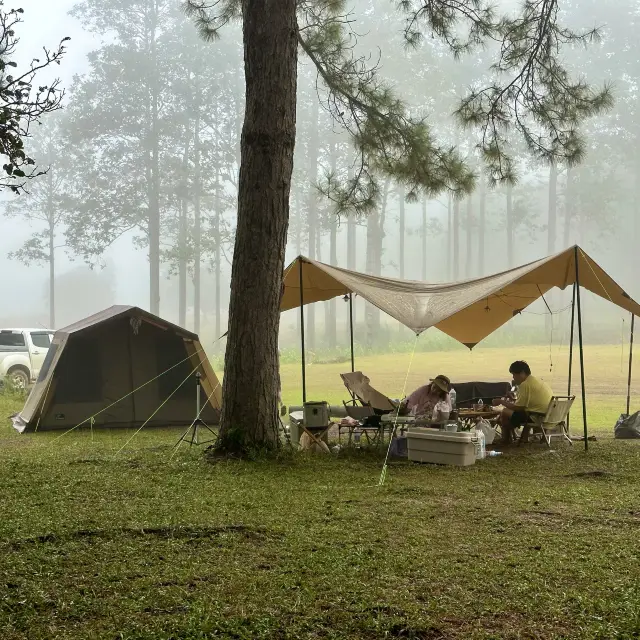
column 118, row 367
column 468, row 311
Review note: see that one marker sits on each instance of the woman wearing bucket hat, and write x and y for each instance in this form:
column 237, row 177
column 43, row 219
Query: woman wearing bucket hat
column 432, row 400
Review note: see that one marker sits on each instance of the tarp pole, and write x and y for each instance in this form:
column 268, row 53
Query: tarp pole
column 304, row 372
column 633, row 321
column 573, row 321
column 353, row 362
column 584, row 397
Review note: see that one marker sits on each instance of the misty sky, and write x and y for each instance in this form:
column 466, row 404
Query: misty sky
column 46, row 22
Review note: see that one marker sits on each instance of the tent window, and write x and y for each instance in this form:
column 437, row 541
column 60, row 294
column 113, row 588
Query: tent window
column 170, row 351
column 79, row 372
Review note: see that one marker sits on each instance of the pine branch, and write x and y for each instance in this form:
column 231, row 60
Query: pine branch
column 532, row 91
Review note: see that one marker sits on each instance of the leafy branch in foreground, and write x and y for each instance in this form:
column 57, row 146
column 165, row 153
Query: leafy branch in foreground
column 22, row 103
column 532, row 91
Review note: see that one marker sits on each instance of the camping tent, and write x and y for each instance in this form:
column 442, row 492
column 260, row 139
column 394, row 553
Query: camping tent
column 115, row 369
column 469, row 310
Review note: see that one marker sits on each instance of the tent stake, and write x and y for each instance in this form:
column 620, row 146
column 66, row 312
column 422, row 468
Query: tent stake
column 304, row 372
column 584, row 397
column 573, row 318
column 633, row 321
column 353, row 362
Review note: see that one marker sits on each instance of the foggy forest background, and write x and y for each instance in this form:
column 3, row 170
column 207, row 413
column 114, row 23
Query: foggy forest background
column 144, row 158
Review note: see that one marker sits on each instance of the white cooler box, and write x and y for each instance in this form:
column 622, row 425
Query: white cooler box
column 441, row 447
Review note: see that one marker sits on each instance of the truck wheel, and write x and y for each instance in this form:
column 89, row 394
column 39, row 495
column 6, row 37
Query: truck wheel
column 19, row 378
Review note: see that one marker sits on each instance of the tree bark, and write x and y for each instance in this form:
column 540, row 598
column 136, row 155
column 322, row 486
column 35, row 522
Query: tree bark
column 482, row 222
column 510, row 227
column 553, row 209
column 249, row 408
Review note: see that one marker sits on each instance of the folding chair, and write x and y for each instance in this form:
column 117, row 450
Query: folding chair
column 360, row 388
column 554, row 423
column 373, row 403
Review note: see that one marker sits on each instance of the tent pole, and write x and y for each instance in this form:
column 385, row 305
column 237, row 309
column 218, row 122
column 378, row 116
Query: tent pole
column 584, row 397
column 353, row 362
column 304, row 372
column 633, row 321
column 573, row 322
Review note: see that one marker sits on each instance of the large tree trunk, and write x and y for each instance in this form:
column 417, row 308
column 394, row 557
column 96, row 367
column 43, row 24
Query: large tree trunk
column 251, row 379
column 154, row 200
column 482, row 221
column 510, row 227
column 553, row 208
column 312, row 219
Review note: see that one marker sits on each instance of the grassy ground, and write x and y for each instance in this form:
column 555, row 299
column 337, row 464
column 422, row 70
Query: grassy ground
column 97, row 543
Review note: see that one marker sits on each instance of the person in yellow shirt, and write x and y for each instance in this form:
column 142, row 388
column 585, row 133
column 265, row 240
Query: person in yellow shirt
column 532, row 398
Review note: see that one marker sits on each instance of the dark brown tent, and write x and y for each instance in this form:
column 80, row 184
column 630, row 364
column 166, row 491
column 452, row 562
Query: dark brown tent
column 122, row 367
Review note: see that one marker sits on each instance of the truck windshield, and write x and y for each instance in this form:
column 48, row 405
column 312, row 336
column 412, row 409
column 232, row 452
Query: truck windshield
column 11, row 339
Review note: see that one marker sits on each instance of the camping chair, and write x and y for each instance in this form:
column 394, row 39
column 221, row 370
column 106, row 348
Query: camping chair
column 373, row 403
column 554, row 423
column 358, row 386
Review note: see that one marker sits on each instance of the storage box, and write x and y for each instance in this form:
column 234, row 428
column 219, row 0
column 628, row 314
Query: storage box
column 440, row 447
column 316, row 414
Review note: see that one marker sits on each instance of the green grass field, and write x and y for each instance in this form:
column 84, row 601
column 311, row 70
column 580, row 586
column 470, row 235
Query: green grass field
column 137, row 544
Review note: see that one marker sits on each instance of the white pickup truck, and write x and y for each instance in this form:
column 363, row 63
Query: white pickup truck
column 22, row 353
